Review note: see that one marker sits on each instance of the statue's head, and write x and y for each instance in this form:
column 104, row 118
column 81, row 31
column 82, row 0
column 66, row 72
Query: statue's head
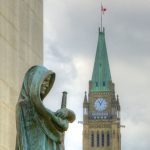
column 37, row 83
column 45, row 86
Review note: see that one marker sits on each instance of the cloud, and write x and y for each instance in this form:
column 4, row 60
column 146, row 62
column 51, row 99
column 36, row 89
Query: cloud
column 70, row 40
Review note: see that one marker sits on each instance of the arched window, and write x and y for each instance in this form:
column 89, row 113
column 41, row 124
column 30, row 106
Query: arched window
column 97, row 138
column 103, row 140
column 92, row 139
column 108, row 139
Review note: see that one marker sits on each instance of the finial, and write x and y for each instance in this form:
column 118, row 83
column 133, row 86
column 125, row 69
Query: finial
column 117, row 97
column 99, row 29
column 103, row 30
column 85, row 97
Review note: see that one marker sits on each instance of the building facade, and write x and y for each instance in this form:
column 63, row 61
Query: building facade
column 101, row 108
column 21, row 46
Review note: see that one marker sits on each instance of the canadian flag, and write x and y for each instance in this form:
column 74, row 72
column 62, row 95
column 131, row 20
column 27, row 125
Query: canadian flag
column 103, row 9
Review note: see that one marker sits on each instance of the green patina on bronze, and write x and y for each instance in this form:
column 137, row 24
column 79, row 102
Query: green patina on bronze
column 38, row 128
column 101, row 76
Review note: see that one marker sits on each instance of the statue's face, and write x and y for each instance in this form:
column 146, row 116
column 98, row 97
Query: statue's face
column 44, row 86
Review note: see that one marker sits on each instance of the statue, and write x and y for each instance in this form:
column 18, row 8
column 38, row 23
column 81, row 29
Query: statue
column 38, row 128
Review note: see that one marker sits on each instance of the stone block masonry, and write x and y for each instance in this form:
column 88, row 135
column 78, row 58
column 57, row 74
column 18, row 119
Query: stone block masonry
column 21, row 46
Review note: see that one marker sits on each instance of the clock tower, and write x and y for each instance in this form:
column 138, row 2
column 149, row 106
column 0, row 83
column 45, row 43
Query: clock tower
column 101, row 108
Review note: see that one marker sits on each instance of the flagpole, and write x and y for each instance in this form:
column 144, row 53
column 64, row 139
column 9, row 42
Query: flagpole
column 101, row 19
column 103, row 9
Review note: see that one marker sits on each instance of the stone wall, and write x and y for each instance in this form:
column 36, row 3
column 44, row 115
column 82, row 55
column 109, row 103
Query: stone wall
column 21, row 46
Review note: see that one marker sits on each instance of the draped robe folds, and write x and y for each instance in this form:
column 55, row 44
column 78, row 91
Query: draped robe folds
column 37, row 127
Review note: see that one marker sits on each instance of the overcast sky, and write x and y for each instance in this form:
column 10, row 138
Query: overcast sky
column 70, row 40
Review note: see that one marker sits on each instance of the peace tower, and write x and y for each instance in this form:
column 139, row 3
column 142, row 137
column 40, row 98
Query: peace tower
column 101, row 108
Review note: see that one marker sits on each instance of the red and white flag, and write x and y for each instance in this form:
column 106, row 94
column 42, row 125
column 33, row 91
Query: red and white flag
column 103, row 9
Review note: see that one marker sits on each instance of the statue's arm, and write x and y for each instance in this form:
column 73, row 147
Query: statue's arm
column 62, row 124
column 66, row 114
column 62, row 117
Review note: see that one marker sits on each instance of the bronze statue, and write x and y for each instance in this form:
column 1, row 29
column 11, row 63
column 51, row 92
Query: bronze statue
column 38, row 128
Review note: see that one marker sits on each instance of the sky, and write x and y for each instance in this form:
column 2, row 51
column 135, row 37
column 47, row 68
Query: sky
column 70, row 40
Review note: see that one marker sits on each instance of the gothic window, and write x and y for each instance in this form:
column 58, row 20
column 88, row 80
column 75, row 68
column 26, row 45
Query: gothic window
column 98, row 139
column 108, row 139
column 103, row 140
column 92, row 139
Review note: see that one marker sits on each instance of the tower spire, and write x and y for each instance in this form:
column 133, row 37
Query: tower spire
column 102, row 110
column 101, row 72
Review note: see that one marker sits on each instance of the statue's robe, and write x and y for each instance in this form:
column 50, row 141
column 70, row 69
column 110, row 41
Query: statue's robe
column 37, row 127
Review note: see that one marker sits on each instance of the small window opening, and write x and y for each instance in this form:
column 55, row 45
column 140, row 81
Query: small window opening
column 104, row 83
column 102, row 139
column 96, row 84
column 108, row 139
column 98, row 139
column 92, row 139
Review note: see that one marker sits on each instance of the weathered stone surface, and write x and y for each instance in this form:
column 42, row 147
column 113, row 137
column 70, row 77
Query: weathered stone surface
column 21, row 46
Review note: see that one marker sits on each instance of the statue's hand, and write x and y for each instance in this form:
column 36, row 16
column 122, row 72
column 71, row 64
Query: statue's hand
column 62, row 113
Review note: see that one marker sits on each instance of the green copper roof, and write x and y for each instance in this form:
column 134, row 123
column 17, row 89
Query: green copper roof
column 101, row 72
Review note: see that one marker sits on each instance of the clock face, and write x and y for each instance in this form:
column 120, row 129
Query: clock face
column 100, row 104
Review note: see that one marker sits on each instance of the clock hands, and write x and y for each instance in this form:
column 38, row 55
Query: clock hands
column 100, row 102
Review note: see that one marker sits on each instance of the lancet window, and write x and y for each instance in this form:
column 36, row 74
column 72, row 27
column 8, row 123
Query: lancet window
column 92, row 139
column 108, row 139
column 97, row 138
column 103, row 140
